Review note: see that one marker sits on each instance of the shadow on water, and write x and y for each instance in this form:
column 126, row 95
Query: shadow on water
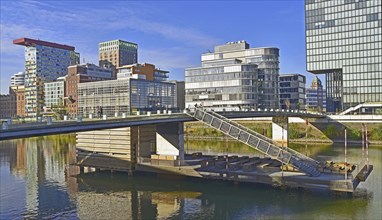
column 197, row 198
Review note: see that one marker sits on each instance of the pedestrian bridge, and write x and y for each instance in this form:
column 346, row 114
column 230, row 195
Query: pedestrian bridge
column 80, row 125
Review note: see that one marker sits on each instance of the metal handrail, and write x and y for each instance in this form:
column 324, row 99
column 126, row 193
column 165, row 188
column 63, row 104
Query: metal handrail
column 300, row 161
column 259, row 135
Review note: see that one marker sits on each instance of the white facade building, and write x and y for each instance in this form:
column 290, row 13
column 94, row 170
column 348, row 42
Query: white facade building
column 18, row 79
column 235, row 76
column 54, row 92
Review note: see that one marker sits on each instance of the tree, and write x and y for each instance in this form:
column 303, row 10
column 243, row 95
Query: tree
column 287, row 103
column 60, row 109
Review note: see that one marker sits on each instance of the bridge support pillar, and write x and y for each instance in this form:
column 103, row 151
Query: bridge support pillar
column 170, row 139
column 280, row 130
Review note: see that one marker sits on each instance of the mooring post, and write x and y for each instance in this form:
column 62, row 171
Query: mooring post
column 367, row 148
column 187, row 139
column 363, row 143
column 226, row 157
column 306, row 137
column 282, row 147
column 346, row 172
column 138, row 147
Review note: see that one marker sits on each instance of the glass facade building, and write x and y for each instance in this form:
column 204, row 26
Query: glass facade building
column 292, row 91
column 125, row 96
column 44, row 62
column 235, row 76
column 343, row 41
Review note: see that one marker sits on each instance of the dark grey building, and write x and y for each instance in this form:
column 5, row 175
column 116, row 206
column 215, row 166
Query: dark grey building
column 343, row 41
column 292, row 91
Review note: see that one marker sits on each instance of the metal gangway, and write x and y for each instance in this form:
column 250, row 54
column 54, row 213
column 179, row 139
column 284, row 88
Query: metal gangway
column 257, row 141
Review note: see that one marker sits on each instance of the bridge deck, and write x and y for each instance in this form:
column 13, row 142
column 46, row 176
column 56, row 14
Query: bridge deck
column 61, row 127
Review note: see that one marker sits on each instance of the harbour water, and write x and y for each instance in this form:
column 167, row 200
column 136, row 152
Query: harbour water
column 35, row 183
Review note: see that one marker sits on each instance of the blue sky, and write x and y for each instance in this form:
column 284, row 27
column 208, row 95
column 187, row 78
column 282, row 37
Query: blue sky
column 170, row 34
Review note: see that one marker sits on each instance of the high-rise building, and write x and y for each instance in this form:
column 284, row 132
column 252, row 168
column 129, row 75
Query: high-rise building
column 315, row 96
column 44, row 62
column 117, row 53
column 80, row 74
column 343, row 41
column 235, row 76
column 18, row 79
column 292, row 91
column 55, row 92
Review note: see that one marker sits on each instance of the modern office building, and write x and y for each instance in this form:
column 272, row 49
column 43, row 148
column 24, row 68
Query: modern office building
column 17, row 93
column 18, row 79
column 79, row 74
column 343, row 41
column 235, row 76
column 146, row 71
column 129, row 95
column 292, row 91
column 55, row 92
column 44, row 62
column 316, row 96
column 117, row 53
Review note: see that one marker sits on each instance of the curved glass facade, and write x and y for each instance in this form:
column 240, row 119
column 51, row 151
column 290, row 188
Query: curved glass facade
column 235, row 76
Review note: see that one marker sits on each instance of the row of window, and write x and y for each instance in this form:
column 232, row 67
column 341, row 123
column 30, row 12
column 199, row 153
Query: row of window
column 344, row 28
column 337, row 64
column 336, row 12
column 340, row 4
column 372, row 56
column 221, row 77
column 357, row 90
column 371, row 49
column 346, row 34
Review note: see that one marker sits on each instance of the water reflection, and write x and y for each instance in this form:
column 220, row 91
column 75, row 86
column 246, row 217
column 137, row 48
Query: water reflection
column 37, row 169
column 36, row 181
column 138, row 198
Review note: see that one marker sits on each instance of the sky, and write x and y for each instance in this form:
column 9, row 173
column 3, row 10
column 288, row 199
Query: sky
column 170, row 34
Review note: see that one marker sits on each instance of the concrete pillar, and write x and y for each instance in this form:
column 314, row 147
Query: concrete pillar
column 280, row 130
column 170, row 139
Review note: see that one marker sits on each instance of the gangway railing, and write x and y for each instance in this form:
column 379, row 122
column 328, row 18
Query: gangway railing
column 256, row 141
column 316, row 163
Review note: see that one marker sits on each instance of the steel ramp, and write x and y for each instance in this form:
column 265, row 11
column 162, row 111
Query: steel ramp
column 257, row 141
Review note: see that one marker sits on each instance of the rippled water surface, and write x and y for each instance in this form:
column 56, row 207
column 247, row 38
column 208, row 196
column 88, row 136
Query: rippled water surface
column 35, row 182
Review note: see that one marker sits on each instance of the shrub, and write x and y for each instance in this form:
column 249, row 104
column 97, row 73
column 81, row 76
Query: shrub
column 376, row 134
column 354, row 134
column 331, row 131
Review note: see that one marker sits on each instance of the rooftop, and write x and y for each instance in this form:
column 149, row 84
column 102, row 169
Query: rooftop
column 33, row 42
